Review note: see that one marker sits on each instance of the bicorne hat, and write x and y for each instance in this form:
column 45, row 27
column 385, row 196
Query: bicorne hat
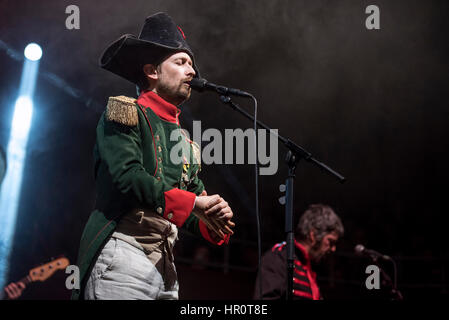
column 159, row 37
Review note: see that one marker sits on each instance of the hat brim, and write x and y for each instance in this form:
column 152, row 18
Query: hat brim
column 127, row 55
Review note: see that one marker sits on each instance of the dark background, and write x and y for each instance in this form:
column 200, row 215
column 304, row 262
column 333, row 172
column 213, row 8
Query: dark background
column 371, row 104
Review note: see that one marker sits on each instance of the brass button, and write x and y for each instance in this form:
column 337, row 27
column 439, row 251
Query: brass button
column 160, row 159
column 170, row 215
column 157, row 137
column 158, row 178
column 159, row 210
column 160, row 170
column 159, row 149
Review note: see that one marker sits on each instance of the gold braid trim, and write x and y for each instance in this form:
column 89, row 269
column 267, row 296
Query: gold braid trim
column 122, row 110
column 196, row 154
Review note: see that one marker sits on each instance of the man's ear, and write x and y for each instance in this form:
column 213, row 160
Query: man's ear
column 312, row 237
column 150, row 71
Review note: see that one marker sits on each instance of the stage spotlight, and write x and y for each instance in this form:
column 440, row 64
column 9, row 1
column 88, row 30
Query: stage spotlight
column 16, row 155
column 33, row 52
column 21, row 120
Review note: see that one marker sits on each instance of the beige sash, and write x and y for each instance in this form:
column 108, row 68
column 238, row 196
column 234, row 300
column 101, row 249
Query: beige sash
column 153, row 234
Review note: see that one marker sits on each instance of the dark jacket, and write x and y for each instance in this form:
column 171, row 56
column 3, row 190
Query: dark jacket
column 274, row 275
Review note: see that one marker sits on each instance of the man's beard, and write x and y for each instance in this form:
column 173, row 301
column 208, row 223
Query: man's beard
column 177, row 94
column 315, row 254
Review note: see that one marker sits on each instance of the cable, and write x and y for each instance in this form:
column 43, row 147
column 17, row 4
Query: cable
column 256, row 167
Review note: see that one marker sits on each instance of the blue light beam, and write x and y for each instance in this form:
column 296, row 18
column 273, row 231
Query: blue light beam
column 16, row 154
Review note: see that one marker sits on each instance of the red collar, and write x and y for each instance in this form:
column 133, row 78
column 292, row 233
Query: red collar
column 165, row 110
column 304, row 252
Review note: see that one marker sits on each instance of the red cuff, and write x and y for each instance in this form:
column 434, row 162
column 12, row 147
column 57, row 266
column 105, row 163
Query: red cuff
column 205, row 233
column 178, row 205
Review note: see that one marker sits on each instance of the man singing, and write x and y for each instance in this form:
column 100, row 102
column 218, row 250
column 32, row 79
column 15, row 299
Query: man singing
column 144, row 194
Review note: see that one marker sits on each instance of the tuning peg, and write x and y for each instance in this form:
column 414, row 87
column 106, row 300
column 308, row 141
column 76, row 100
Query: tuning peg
column 282, row 188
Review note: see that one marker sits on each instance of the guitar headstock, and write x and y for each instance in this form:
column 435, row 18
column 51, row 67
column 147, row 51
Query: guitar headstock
column 45, row 271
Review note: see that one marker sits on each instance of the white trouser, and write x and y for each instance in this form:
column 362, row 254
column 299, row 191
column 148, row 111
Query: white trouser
column 123, row 272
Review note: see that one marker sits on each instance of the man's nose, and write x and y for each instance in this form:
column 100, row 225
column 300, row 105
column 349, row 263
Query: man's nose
column 333, row 248
column 191, row 71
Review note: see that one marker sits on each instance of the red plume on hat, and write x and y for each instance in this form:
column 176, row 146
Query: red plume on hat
column 159, row 37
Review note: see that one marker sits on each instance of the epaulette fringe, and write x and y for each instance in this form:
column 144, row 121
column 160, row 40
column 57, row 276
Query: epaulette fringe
column 122, row 109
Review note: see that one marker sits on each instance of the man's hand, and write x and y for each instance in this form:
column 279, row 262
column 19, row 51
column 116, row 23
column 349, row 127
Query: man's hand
column 215, row 212
column 14, row 290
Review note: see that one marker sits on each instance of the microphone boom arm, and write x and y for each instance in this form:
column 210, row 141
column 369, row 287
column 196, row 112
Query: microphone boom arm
column 297, row 150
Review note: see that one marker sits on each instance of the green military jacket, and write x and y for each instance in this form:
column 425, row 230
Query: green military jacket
column 133, row 169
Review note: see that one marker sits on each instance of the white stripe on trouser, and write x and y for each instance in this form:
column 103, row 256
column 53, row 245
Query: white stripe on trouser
column 123, row 272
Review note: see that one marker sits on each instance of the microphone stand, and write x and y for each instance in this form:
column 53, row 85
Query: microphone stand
column 394, row 292
column 294, row 155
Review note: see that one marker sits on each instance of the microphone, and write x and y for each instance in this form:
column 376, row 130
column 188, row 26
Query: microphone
column 361, row 250
column 202, row 84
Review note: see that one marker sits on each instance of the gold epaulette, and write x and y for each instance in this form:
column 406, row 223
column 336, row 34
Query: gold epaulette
column 122, row 110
